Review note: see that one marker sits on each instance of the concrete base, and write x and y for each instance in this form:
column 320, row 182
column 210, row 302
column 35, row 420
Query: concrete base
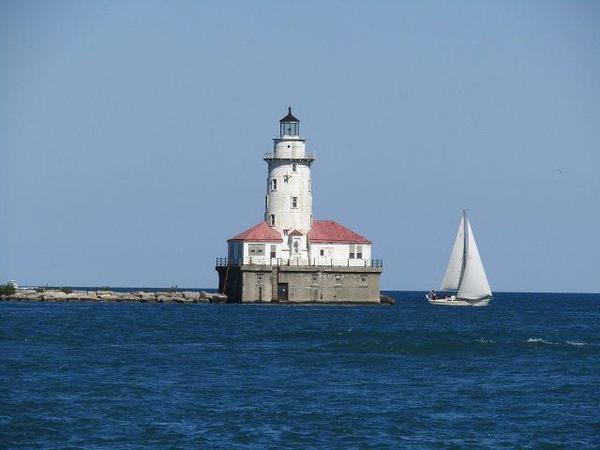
column 300, row 284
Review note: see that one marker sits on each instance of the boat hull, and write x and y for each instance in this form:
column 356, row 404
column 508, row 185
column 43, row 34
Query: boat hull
column 453, row 301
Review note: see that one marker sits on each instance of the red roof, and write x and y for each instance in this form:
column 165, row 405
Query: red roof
column 329, row 231
column 259, row 233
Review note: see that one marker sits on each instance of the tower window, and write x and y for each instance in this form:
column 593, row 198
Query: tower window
column 274, row 184
column 309, row 185
column 294, row 167
column 272, row 220
column 285, row 232
column 294, row 202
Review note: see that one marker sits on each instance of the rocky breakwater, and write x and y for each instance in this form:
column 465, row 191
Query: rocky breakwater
column 57, row 295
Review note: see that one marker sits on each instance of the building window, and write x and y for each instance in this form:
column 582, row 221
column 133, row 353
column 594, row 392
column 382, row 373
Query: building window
column 256, row 249
column 294, row 202
column 314, row 279
column 259, row 279
column 359, row 252
column 294, row 167
column 273, row 251
column 338, row 280
column 286, row 232
column 322, row 252
column 274, row 184
column 272, row 220
column 296, row 246
column 363, row 280
column 352, row 251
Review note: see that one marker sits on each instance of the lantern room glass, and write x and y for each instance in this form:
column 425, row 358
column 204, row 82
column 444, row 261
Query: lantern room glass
column 289, row 129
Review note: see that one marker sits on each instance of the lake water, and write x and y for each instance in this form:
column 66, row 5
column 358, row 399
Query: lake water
column 521, row 373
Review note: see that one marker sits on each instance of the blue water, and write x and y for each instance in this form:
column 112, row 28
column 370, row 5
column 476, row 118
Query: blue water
column 521, row 373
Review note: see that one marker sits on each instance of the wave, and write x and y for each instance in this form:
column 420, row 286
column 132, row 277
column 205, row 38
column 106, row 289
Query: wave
column 541, row 341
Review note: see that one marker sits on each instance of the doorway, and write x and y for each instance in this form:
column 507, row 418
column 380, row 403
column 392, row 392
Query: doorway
column 282, row 292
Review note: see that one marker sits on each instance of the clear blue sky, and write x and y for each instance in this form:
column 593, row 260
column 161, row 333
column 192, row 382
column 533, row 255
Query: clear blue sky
column 132, row 132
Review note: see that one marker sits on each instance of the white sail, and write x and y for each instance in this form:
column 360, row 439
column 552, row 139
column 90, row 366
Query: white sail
column 474, row 283
column 453, row 271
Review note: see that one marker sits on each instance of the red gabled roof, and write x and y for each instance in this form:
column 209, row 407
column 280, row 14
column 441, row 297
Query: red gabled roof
column 329, row 231
column 261, row 232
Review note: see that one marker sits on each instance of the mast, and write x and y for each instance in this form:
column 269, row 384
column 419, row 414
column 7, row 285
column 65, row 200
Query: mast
column 465, row 246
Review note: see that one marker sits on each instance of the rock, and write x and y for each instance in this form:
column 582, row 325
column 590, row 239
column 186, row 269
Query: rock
column 180, row 300
column 54, row 296
column 106, row 296
column 386, row 299
column 189, row 295
column 147, row 296
column 35, row 297
column 215, row 297
column 92, row 295
column 163, row 298
column 25, row 293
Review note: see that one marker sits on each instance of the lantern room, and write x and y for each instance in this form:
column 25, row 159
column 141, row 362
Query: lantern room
column 289, row 125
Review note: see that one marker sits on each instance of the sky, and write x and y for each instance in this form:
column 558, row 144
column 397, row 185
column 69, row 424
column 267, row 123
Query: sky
column 132, row 134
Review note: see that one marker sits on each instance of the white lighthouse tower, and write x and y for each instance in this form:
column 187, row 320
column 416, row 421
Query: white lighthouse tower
column 288, row 201
column 288, row 256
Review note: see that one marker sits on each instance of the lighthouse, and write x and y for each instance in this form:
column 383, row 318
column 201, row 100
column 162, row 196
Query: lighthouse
column 288, row 200
column 289, row 256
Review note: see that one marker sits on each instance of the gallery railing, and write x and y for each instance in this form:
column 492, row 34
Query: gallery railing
column 294, row 155
column 278, row 262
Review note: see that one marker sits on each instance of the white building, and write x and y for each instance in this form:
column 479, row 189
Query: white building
column 289, row 235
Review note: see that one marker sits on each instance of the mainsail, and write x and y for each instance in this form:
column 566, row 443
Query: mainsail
column 474, row 283
column 455, row 265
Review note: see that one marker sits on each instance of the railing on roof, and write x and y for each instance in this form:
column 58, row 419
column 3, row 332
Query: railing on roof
column 313, row 262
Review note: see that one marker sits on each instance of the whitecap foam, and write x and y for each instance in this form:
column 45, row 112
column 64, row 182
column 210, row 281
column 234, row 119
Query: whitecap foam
column 538, row 341
column 578, row 344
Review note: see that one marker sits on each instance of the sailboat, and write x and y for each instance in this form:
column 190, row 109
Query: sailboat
column 465, row 274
